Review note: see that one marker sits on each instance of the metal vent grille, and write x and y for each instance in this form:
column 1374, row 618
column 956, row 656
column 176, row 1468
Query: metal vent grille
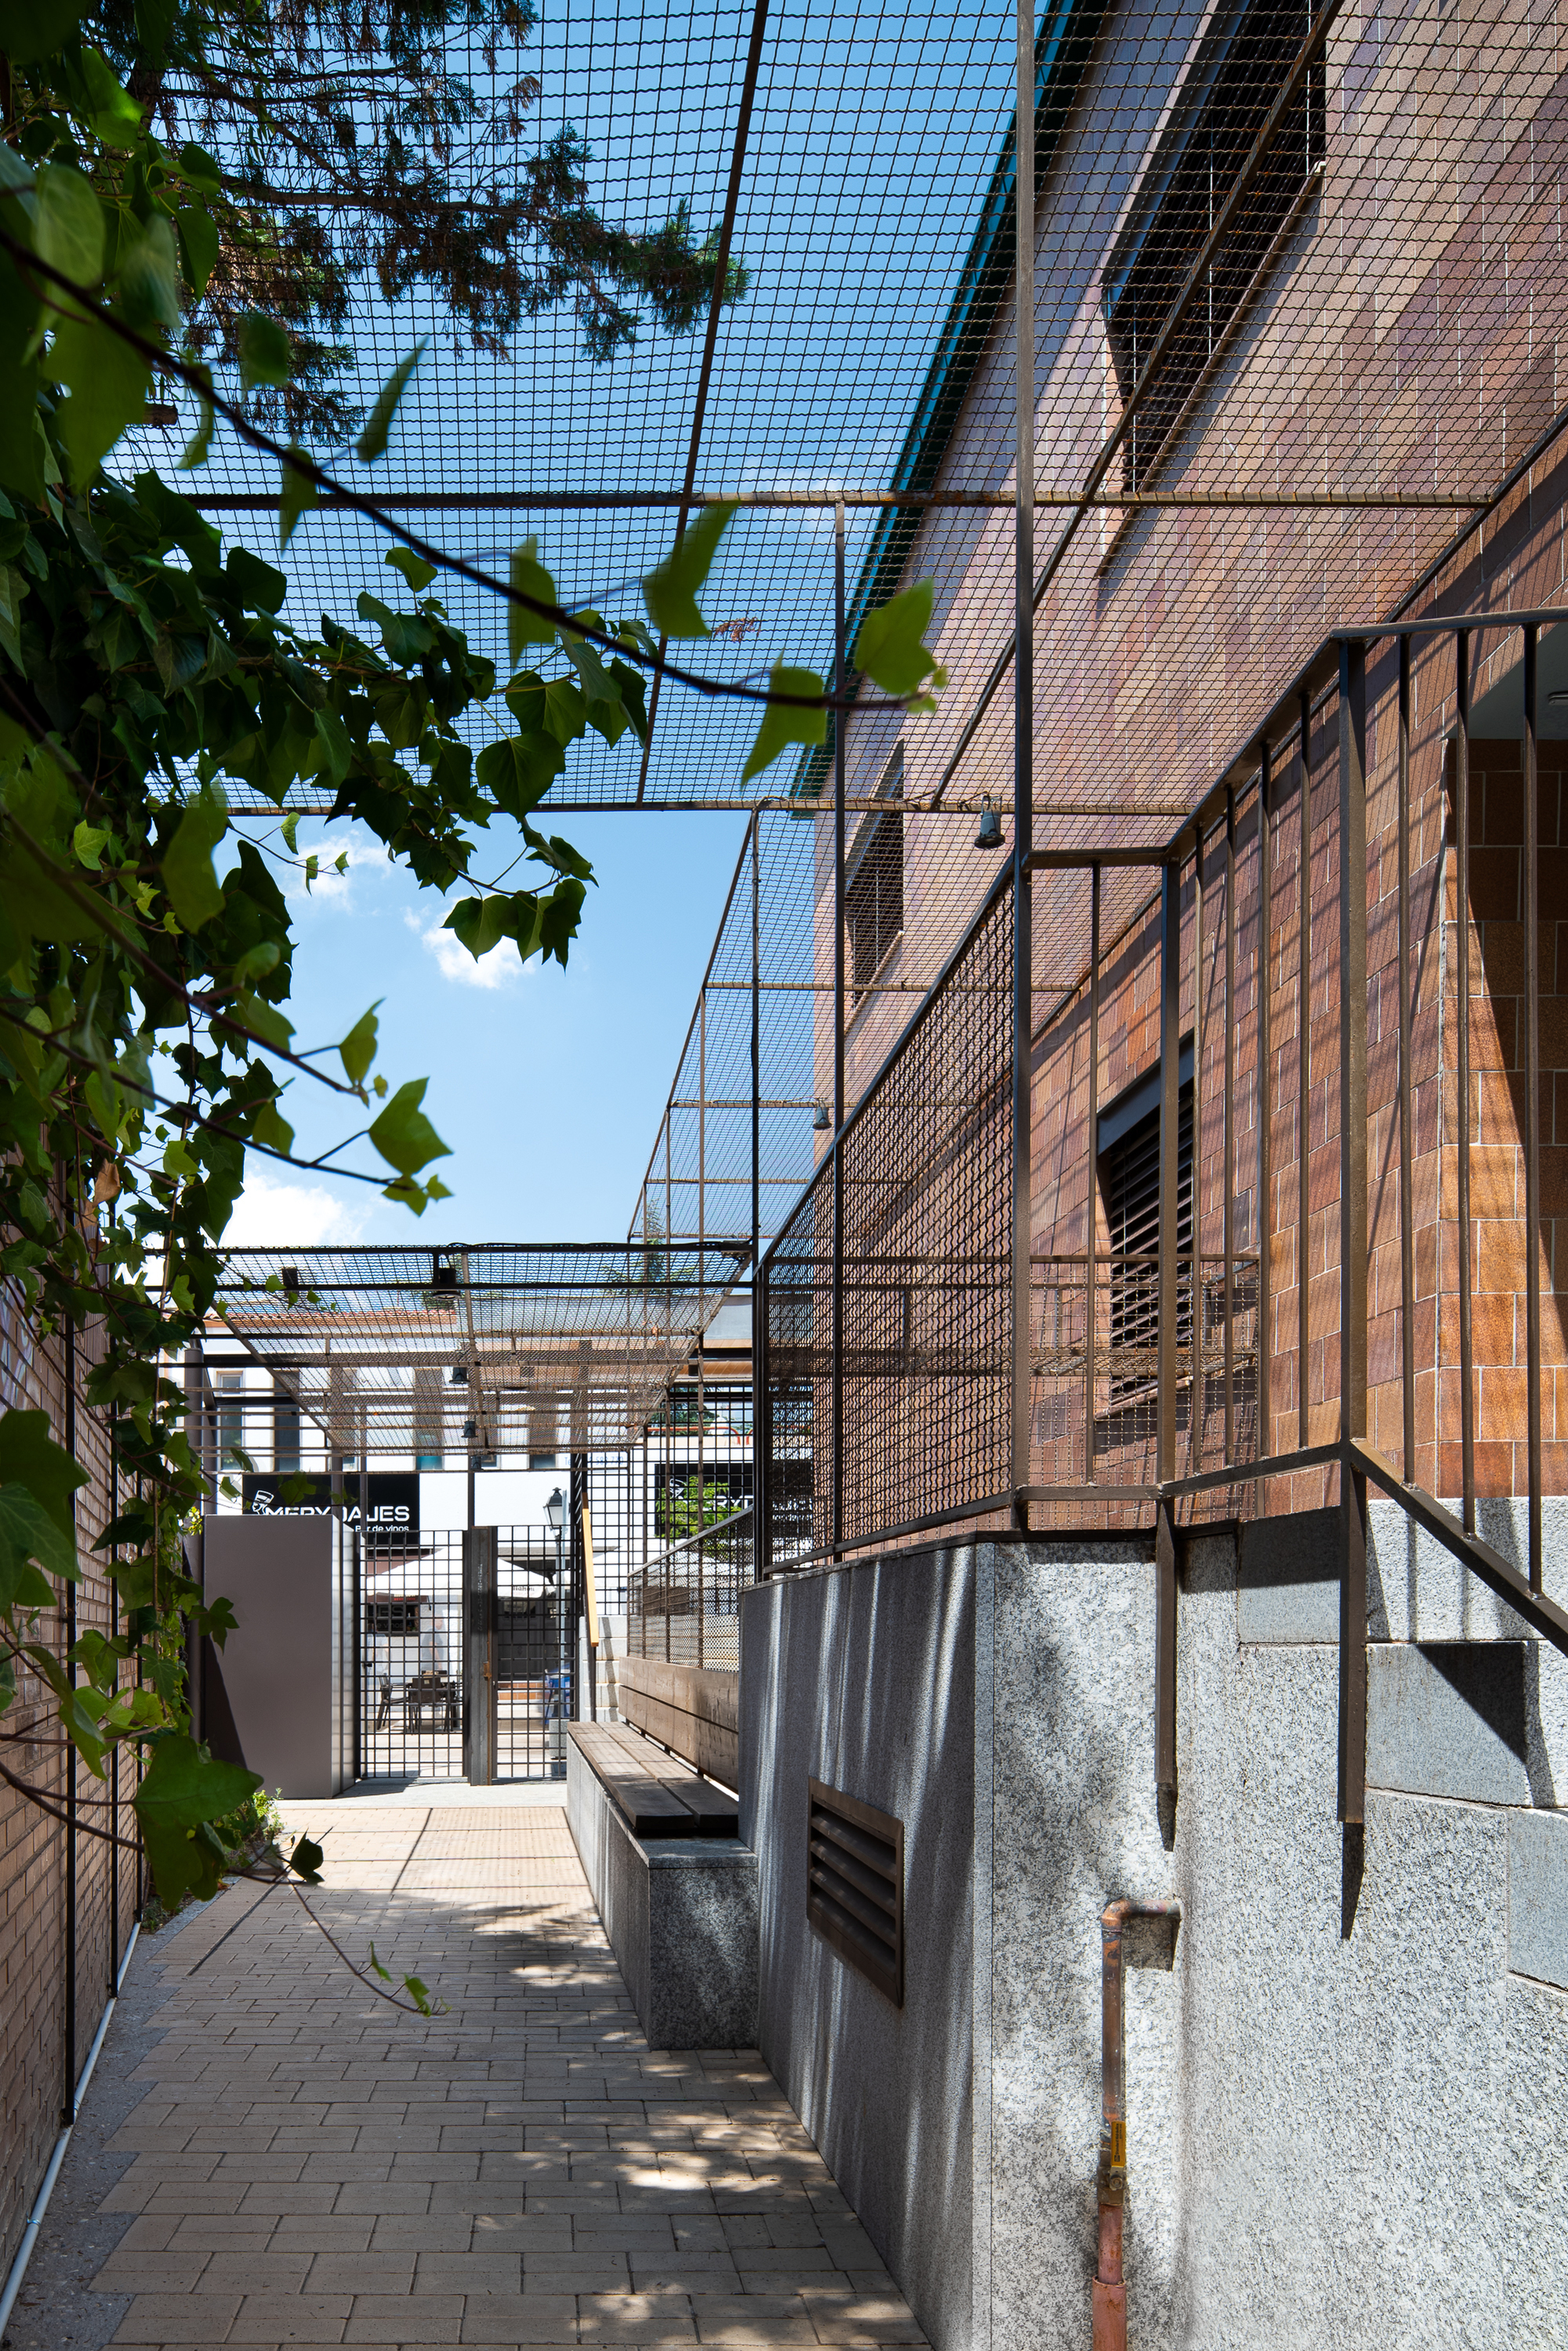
column 854, row 1886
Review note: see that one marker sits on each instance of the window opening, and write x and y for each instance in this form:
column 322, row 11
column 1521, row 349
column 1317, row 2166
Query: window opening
column 873, row 896
column 284, row 1435
column 1129, row 1167
column 1240, row 71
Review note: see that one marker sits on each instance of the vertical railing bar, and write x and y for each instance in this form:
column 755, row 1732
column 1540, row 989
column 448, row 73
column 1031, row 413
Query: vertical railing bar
column 1304, row 1070
column 1023, row 734
column 1263, row 1213
column 1164, row 1521
column 1198, row 1390
column 1091, row 1233
column 1353, row 1226
column 1406, row 1146
column 762, row 1551
column 836, row 1433
column 1228, row 1241
column 1532, row 1098
column 1462, row 933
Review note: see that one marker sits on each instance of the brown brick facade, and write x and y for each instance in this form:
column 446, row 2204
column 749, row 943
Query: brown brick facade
column 37, row 2057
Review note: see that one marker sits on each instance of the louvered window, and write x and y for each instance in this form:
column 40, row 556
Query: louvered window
column 854, row 1886
column 1130, row 1188
column 1240, row 67
column 873, row 896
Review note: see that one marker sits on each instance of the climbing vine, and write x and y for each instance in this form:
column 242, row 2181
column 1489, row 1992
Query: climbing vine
column 147, row 1044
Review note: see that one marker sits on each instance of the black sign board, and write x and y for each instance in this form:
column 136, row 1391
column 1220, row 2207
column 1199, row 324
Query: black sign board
column 394, row 1499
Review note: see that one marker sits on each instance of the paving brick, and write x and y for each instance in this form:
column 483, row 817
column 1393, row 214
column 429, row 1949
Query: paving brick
column 522, row 2170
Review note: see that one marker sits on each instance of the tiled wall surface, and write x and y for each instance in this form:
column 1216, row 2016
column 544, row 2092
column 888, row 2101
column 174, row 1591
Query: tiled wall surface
column 35, row 2059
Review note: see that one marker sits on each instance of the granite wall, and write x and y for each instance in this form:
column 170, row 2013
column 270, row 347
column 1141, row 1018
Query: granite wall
column 865, row 1679
column 1348, row 2098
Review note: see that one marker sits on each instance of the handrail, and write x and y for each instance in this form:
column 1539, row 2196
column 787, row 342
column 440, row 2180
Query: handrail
column 688, row 1541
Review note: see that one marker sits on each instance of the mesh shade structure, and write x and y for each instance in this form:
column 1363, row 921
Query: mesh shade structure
column 572, row 1346
column 1357, row 371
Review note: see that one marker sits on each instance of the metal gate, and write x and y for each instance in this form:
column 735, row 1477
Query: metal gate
column 416, row 1684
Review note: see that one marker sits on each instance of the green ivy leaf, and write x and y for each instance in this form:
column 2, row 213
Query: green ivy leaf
column 297, row 493
column 266, row 354
column 304, row 1859
column 889, row 649
column 258, row 585
column 109, row 383
column 670, row 591
column 31, row 30
column 184, row 1791
column 480, row 923
column 67, row 226
column 188, row 875
column 529, row 578
column 27, row 1532
column 358, row 1049
column 30, row 1457
column 371, row 443
column 781, row 725
column 270, row 1127
column 417, row 573
column 149, row 276
column 199, row 447
column 198, row 233
column 200, row 169
column 404, row 1135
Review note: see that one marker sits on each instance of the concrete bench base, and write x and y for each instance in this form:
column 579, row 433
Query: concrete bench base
column 681, row 1916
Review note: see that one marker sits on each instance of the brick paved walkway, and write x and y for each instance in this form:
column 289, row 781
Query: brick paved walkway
column 310, row 2168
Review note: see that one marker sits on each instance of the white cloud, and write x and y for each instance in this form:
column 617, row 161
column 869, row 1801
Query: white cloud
column 367, row 863
column 496, row 968
column 270, row 1214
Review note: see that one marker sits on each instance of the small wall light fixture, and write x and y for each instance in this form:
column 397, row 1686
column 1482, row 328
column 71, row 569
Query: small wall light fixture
column 821, row 1121
column 991, row 833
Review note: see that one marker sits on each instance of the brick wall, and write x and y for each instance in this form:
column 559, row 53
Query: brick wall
column 38, row 2055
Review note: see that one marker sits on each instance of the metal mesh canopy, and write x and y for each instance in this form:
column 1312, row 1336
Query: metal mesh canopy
column 566, row 1346
column 1365, row 365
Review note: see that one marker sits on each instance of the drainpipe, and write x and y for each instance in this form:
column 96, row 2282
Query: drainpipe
column 1110, row 2293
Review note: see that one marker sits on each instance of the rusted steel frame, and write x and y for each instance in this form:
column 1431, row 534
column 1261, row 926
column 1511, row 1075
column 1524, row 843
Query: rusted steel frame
column 1532, row 1097
column 1278, row 1465
column 1228, row 1241
column 1091, row 1302
column 1108, row 2291
column 1198, row 1405
column 1263, row 1215
column 1406, row 1144
column 1023, row 738
column 1352, row 1227
column 1499, row 1574
column 710, row 338
column 836, row 1430
column 1164, row 1521
column 1304, row 1069
column 1462, row 937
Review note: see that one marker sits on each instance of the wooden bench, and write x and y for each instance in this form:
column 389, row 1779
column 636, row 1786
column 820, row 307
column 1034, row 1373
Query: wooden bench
column 676, row 1889
column 659, row 1795
column 692, row 1710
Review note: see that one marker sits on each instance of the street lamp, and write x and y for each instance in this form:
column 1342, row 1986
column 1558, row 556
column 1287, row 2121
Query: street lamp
column 553, row 1510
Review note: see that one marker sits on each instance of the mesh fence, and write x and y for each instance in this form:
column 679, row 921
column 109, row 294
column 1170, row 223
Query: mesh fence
column 887, row 1390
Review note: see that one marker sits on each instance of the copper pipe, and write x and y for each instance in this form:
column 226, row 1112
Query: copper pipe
column 1109, row 2291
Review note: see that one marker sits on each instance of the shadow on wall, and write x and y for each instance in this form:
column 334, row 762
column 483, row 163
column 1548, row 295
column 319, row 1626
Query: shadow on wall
column 863, row 1678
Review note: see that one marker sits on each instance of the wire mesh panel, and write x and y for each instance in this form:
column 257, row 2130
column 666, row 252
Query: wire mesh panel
column 413, row 1685
column 889, row 1323
column 684, row 1607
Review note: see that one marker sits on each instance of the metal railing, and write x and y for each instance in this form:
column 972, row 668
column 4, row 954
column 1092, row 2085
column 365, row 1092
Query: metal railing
column 683, row 1606
column 1320, row 1335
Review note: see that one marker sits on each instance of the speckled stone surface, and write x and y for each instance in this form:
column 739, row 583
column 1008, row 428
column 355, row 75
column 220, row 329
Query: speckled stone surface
column 680, row 1914
column 864, row 1678
column 1348, row 2138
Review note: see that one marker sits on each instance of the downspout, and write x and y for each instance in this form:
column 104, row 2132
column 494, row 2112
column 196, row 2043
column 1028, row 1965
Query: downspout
column 1110, row 2293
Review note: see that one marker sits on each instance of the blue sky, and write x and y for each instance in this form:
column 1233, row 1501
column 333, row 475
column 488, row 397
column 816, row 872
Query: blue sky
column 548, row 1084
